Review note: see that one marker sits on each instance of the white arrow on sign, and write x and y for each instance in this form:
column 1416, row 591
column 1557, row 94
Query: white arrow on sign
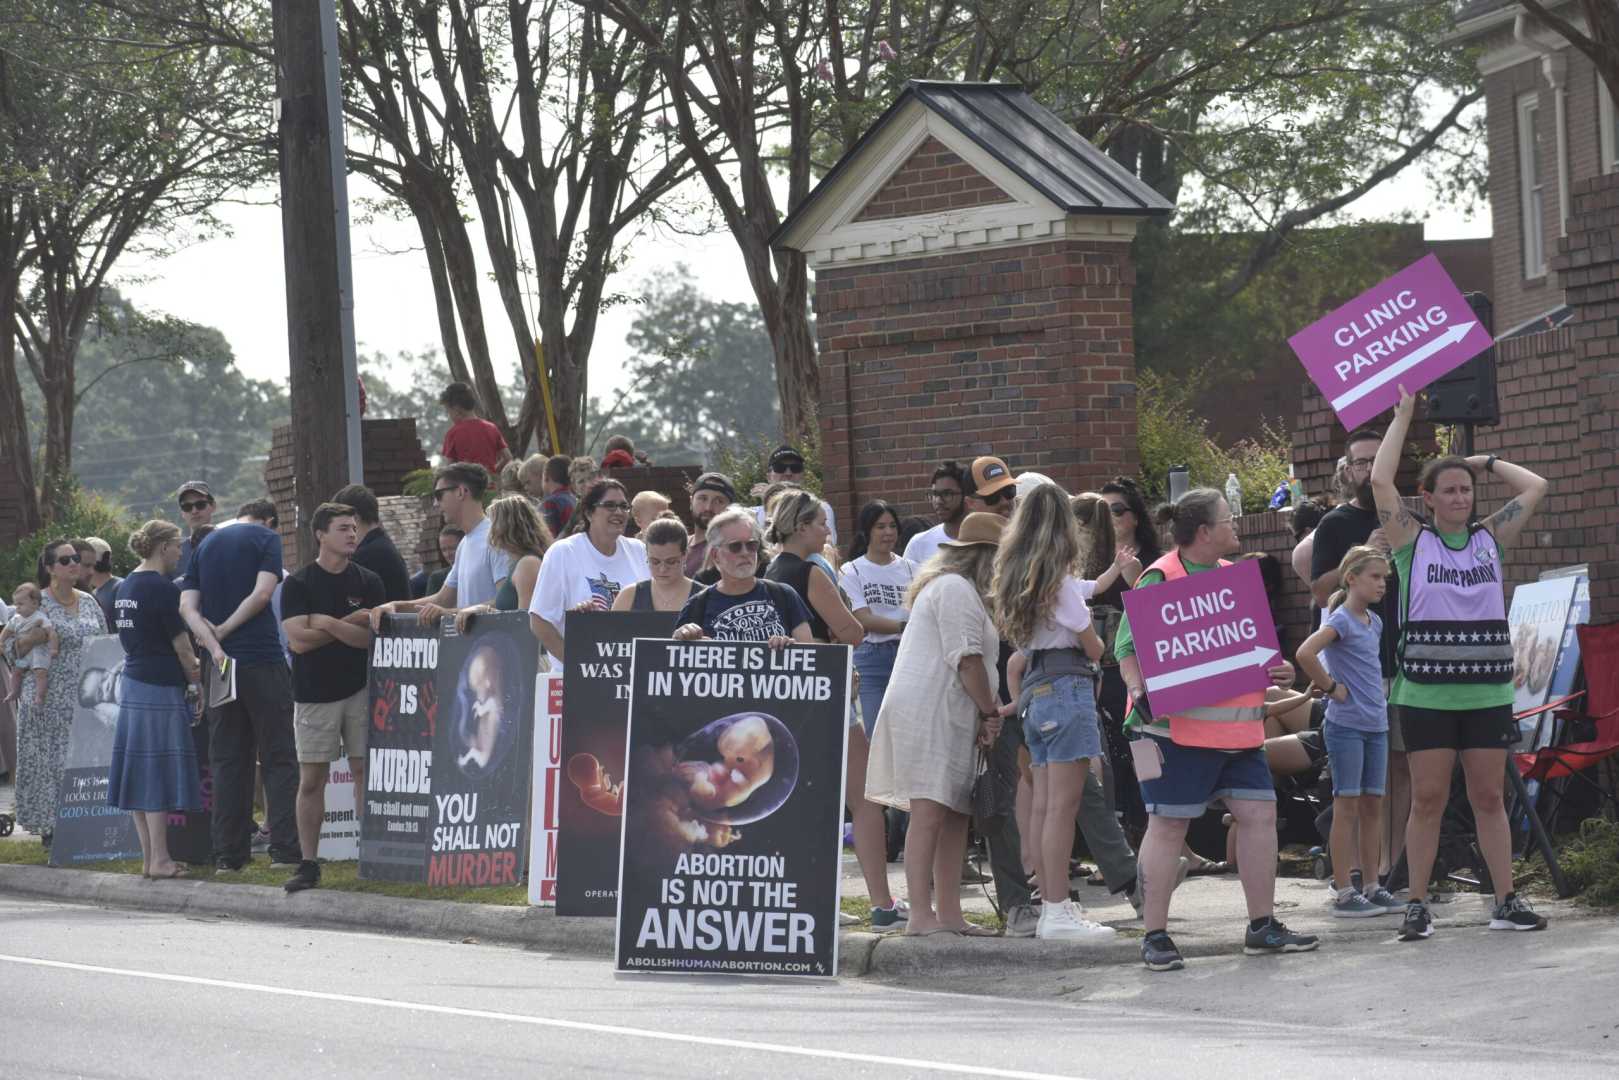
column 1405, row 364
column 1258, row 656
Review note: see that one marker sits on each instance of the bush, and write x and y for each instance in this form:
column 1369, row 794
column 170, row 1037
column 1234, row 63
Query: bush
column 1591, row 861
column 88, row 515
column 1171, row 433
column 746, row 463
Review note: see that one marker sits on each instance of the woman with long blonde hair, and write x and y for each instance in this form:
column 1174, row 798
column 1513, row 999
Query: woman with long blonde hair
column 518, row 541
column 1040, row 607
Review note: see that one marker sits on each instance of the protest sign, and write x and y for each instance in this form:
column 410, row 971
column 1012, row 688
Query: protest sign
column 547, row 790
column 87, row 829
column 1409, row 330
column 482, row 751
column 1203, row 639
column 732, row 839
column 595, row 710
column 1545, row 647
column 339, row 826
column 399, row 751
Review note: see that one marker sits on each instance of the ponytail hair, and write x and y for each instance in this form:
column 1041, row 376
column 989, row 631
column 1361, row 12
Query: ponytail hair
column 1356, row 560
column 1195, row 509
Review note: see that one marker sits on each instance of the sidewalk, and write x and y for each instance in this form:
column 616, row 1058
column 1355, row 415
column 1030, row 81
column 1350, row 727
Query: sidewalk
column 1207, row 919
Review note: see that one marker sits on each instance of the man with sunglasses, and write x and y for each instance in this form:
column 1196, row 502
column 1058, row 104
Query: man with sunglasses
column 994, row 488
column 786, row 466
column 196, row 510
column 945, row 497
column 458, row 493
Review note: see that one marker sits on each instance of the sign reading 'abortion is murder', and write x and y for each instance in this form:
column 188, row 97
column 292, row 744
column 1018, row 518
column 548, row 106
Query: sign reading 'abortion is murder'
column 1203, row 639
column 1406, row 331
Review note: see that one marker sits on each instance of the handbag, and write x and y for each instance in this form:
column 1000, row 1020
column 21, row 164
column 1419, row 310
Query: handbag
column 994, row 794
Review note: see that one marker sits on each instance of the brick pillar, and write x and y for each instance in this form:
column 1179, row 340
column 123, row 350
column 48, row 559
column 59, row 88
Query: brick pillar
column 1588, row 263
column 1024, row 352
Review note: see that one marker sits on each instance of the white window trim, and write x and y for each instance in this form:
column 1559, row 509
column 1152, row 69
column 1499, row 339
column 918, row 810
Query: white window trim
column 1528, row 158
column 1609, row 140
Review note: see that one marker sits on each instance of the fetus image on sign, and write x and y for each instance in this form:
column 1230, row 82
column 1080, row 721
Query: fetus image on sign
column 596, row 787
column 733, row 771
column 485, row 709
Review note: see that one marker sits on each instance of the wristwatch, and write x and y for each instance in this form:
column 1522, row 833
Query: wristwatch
column 1489, row 464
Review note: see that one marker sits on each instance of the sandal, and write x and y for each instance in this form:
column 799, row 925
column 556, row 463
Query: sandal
column 932, row 933
column 1209, row 868
column 177, row 872
column 970, row 930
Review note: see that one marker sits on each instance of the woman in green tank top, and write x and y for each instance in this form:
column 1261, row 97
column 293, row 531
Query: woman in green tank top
column 518, row 540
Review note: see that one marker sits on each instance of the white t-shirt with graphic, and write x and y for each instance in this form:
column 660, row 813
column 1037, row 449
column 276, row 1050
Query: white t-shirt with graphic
column 878, row 588
column 573, row 572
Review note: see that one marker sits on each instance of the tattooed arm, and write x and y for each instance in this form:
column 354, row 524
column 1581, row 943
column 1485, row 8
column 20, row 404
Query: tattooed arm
column 1398, row 523
column 1527, row 490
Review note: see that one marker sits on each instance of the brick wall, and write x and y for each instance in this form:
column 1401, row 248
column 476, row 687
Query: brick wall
column 1516, row 298
column 1024, row 352
column 1589, row 263
column 391, row 450
column 934, row 178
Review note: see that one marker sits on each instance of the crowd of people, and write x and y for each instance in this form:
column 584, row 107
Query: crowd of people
column 988, row 640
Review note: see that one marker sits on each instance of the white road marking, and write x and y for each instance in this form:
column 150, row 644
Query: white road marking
column 544, row 1021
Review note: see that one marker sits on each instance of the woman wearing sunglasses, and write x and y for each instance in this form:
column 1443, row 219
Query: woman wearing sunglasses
column 42, row 729
column 586, row 570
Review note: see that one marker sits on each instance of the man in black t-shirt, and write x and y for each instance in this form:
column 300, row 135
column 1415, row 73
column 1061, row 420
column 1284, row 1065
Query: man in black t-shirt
column 376, row 552
column 326, row 613
column 1349, row 525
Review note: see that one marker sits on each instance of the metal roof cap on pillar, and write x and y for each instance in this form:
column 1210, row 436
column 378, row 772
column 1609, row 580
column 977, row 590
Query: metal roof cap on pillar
column 1027, row 138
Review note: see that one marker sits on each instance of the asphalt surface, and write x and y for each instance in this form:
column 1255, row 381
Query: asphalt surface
column 92, row 992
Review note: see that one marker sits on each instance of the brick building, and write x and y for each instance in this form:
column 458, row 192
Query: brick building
column 972, row 295
column 1551, row 125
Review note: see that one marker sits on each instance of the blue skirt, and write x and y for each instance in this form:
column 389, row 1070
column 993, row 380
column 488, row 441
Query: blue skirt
column 154, row 761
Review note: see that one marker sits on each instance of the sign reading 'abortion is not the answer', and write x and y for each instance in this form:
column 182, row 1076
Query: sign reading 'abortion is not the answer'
column 1203, row 639
column 1408, row 330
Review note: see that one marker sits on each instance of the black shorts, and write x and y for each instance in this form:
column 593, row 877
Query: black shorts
column 1458, row 729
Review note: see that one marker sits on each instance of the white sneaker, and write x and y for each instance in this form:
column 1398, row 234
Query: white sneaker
column 1065, row 922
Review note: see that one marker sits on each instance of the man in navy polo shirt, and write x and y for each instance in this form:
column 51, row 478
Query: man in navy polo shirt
column 232, row 575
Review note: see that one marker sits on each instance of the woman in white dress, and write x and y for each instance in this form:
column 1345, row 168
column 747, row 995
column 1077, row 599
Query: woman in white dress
column 940, row 704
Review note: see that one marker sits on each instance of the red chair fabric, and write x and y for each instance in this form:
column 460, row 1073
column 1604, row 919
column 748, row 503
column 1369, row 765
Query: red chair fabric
column 1599, row 659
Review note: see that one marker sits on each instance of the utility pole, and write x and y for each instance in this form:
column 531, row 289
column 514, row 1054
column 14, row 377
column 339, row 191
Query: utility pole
column 323, row 381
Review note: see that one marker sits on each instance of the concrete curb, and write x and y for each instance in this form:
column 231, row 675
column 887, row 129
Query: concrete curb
column 861, row 954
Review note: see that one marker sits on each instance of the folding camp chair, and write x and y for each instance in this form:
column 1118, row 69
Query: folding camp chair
column 1593, row 729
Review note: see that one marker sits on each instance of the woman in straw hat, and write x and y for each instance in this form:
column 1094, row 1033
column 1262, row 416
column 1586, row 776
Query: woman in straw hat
column 940, row 704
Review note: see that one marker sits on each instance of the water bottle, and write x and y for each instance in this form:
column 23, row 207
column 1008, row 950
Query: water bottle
column 1233, row 494
column 1297, row 488
column 1180, row 480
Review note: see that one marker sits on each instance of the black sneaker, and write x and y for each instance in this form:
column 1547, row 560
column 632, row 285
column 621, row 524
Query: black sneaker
column 226, row 866
column 1418, row 923
column 1159, row 953
column 1274, row 938
column 1514, row 913
column 307, row 877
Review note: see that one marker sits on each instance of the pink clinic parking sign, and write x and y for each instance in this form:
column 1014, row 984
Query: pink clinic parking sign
column 1409, row 330
column 1203, row 639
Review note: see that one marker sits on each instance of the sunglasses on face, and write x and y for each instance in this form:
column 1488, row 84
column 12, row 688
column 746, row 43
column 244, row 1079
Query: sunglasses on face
column 789, row 467
column 193, row 507
column 68, row 560
column 1118, row 509
column 1006, row 493
column 737, row 547
column 615, row 507
column 439, row 493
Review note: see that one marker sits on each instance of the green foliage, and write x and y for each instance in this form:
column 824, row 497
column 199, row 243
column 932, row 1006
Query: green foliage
column 89, row 514
column 161, row 401
column 1591, row 862
column 1171, row 433
column 746, row 463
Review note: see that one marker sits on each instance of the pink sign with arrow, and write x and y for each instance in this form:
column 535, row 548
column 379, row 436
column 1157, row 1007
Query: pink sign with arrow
column 1408, row 330
column 1204, row 638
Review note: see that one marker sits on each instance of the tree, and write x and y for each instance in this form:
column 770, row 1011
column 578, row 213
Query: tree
column 160, row 401
column 1263, row 115
column 113, row 137
column 701, row 373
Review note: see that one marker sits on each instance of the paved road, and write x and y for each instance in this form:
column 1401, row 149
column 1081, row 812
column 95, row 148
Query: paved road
column 87, row 992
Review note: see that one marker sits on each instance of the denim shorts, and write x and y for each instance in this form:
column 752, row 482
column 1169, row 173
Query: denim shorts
column 1059, row 723
column 1360, row 759
column 1195, row 776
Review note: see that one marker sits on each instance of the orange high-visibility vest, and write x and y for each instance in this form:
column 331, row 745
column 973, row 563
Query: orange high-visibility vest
column 1234, row 724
